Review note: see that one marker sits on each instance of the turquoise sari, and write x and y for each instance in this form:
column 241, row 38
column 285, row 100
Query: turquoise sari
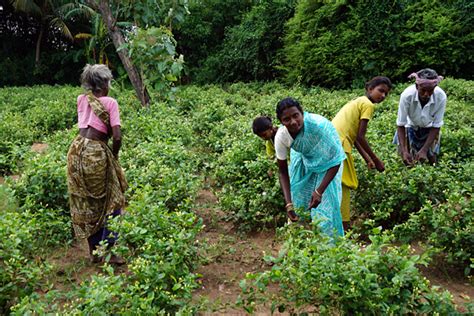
column 315, row 149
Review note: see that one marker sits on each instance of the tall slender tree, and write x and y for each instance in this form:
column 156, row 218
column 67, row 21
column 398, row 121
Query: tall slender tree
column 104, row 8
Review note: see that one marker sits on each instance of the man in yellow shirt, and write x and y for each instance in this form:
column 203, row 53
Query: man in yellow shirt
column 351, row 124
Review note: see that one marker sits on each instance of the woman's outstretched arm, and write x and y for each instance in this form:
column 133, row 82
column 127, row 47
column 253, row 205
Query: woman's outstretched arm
column 361, row 143
column 285, row 188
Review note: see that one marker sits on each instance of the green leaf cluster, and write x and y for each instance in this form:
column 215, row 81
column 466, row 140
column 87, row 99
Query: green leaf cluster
column 314, row 275
column 153, row 50
column 342, row 43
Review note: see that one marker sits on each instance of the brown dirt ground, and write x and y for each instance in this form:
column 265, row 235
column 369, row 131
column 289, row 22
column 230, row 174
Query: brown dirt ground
column 439, row 273
column 39, row 147
column 453, row 281
column 13, row 177
column 229, row 257
column 71, row 267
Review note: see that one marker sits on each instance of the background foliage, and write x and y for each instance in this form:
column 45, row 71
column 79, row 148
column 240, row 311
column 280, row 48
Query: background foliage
column 342, row 43
column 332, row 44
column 250, row 50
column 203, row 31
column 153, row 50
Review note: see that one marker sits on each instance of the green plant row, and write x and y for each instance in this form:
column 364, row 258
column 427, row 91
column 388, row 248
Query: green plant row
column 156, row 233
column 28, row 115
column 314, row 275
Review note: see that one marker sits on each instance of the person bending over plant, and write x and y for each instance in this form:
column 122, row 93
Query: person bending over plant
column 315, row 173
column 420, row 117
column 263, row 127
column 351, row 124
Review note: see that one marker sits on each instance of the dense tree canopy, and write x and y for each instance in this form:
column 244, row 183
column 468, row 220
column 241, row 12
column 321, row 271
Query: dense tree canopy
column 336, row 44
column 58, row 59
column 325, row 43
column 249, row 50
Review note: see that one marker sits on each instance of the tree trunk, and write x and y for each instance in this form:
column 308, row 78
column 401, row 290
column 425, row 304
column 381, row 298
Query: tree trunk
column 38, row 44
column 117, row 38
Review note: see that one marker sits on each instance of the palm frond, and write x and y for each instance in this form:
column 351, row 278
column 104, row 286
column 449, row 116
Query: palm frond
column 61, row 26
column 27, row 6
column 69, row 10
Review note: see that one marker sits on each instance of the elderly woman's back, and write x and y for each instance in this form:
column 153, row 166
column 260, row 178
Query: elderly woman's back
column 96, row 182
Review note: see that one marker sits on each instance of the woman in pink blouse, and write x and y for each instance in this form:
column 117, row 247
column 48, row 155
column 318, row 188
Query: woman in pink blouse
column 96, row 182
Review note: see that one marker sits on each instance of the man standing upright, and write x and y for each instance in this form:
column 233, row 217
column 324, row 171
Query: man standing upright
column 420, row 117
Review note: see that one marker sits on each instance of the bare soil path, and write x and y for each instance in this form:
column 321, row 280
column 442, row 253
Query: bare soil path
column 452, row 280
column 228, row 257
column 71, row 266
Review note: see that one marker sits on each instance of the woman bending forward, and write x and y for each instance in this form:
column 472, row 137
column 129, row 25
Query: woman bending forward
column 315, row 170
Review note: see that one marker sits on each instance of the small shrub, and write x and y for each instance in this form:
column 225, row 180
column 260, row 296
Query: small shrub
column 344, row 278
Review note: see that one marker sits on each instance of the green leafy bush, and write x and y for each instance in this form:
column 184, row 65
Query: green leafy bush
column 154, row 51
column 20, row 269
column 26, row 237
column 44, row 182
column 449, row 226
column 28, row 115
column 250, row 190
column 343, row 43
column 250, row 49
column 400, row 191
column 344, row 278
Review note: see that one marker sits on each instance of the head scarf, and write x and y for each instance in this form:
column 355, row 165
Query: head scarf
column 426, row 83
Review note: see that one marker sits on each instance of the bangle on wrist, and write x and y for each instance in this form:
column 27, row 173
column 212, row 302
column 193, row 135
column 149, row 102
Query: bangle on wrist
column 318, row 194
column 288, row 205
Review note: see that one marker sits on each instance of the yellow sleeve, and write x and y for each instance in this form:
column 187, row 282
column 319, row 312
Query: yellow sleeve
column 367, row 110
column 270, row 149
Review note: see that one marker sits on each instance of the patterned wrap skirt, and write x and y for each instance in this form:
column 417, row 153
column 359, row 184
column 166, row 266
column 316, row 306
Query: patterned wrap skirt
column 96, row 185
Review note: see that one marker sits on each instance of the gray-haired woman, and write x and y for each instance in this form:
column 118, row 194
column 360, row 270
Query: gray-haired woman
column 96, row 182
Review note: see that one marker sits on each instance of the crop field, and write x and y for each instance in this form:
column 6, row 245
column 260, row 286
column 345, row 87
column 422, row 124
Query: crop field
column 204, row 228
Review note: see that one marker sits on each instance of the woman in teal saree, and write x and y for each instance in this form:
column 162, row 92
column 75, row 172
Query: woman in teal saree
column 316, row 166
